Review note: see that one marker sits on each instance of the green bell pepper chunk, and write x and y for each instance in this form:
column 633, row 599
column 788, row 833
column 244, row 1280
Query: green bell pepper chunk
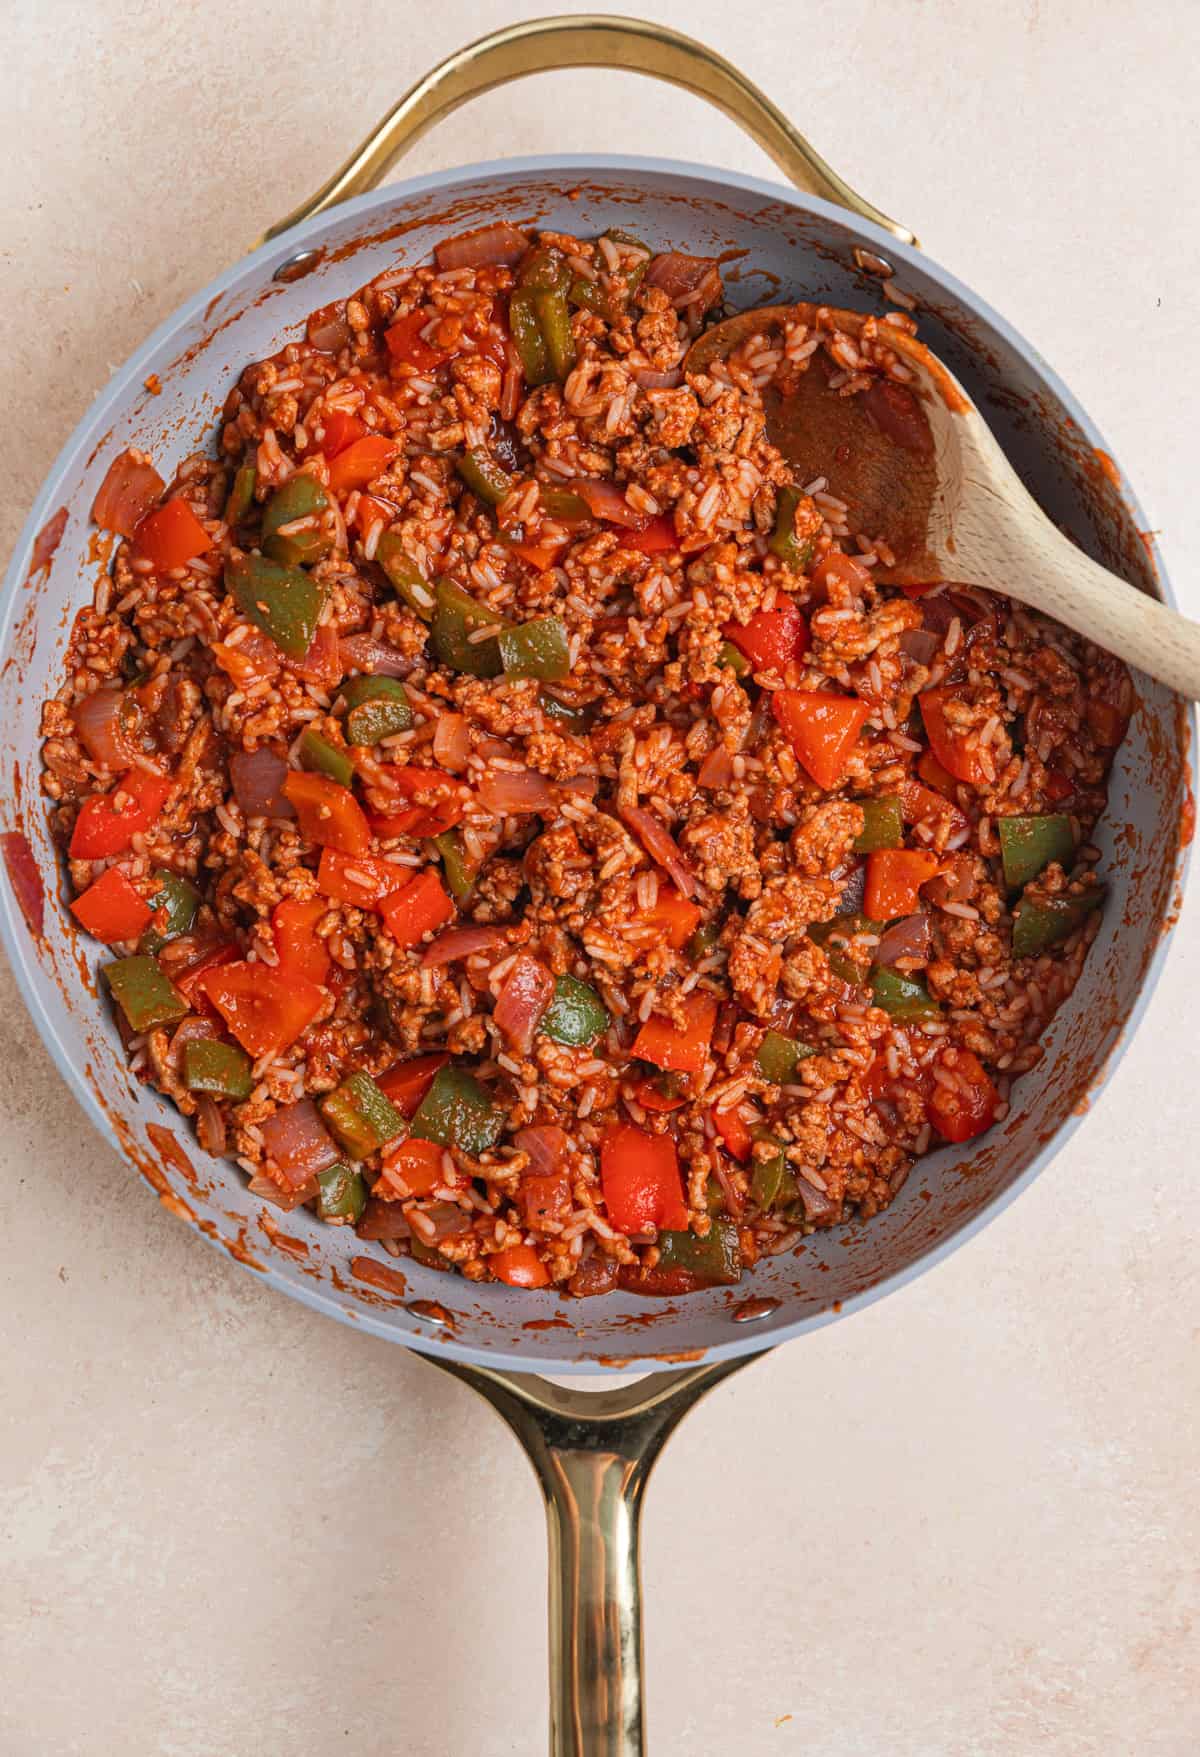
column 902, row 997
column 1041, row 924
column 827, row 934
column 360, row 1116
column 544, row 269
column 223, row 1068
column 734, row 658
column 341, row 1193
column 460, row 871
column 457, row 614
column 703, row 941
column 300, row 497
column 783, row 541
column 428, row 1254
column 281, row 601
column 565, row 505
column 1027, row 844
column 487, row 480
column 537, row 649
column 576, row 1015
column 376, row 708
column 404, row 576
column 594, row 296
column 714, row 1198
column 574, row 719
column 773, row 1183
column 458, row 1112
column 779, row 1057
column 241, row 494
column 883, row 825
column 554, row 321
column 143, row 993
column 317, row 753
column 715, row 1259
column 177, row 900
column 527, row 338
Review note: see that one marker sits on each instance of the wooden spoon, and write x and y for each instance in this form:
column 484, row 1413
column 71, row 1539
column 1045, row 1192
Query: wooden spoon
column 919, row 467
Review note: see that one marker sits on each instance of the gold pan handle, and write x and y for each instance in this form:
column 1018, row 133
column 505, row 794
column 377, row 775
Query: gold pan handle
column 588, row 40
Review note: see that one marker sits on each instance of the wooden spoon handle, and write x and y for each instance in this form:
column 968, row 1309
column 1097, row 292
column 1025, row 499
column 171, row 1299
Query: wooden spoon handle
column 1115, row 615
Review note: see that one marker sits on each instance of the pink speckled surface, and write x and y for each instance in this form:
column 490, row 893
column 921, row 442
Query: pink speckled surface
column 968, row 1517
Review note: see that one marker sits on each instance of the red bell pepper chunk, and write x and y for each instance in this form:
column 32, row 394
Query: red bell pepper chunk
column 361, row 879
column 328, row 813
column 418, row 908
column 108, row 822
column 639, row 1173
column 408, row 347
column 918, row 588
column 544, row 1196
column 339, row 431
column 519, row 1266
column 962, row 1111
column 111, row 909
column 654, row 538
column 415, row 1168
column 361, row 462
column 438, row 803
column 265, row 1009
column 301, row 951
column 128, row 491
column 894, row 880
column 773, row 639
column 920, row 804
column 189, row 981
column 735, row 1133
column 823, row 728
column 171, row 535
column 1058, row 786
column 539, row 555
column 671, row 916
column 936, row 776
column 962, row 760
column 681, row 1050
column 406, row 1083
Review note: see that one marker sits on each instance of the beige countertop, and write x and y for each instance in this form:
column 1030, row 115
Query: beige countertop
column 963, row 1524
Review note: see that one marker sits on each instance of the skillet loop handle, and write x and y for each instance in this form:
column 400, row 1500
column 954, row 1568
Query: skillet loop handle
column 592, row 1453
column 588, row 40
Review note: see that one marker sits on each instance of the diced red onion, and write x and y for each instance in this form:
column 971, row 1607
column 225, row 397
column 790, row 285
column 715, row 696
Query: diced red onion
column 269, row 1191
column 717, row 768
column 486, row 247
column 462, row 942
column 299, row 1142
column 920, row 644
column 606, row 501
column 106, row 724
column 25, row 879
column 258, row 777
column 680, row 275
column 328, row 330
column 382, row 1220
column 546, row 1145
column 511, row 793
column 376, row 658
column 452, row 742
column 210, row 1124
column 446, row 1220
column 909, row 938
column 733, row 1196
column 661, row 846
column 854, row 889
column 817, row 1205
column 648, row 379
column 527, row 991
